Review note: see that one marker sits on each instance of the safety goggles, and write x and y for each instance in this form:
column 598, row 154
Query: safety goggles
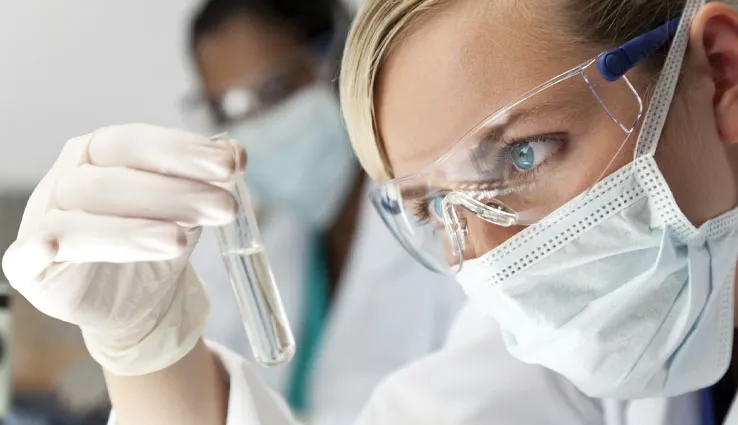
column 505, row 172
column 244, row 101
column 251, row 98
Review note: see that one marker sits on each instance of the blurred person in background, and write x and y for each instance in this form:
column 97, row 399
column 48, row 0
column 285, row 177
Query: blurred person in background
column 53, row 379
column 125, row 253
column 267, row 69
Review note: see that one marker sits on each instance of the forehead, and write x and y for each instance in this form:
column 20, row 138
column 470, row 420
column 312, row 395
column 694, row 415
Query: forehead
column 241, row 50
column 457, row 67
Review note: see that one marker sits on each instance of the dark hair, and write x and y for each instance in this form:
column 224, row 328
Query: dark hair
column 309, row 19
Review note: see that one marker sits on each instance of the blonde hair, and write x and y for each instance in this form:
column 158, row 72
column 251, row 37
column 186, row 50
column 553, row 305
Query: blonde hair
column 380, row 24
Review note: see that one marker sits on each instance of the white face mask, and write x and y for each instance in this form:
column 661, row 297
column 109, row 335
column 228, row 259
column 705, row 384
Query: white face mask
column 300, row 157
column 622, row 295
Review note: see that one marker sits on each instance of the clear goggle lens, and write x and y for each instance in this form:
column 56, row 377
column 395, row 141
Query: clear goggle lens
column 519, row 166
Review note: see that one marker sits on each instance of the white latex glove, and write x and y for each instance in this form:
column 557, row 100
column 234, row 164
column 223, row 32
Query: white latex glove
column 106, row 236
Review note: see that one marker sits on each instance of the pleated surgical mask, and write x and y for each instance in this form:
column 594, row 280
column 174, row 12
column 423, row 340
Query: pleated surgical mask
column 300, row 157
column 617, row 290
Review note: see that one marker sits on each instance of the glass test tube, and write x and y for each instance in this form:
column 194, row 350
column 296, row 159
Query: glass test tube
column 253, row 283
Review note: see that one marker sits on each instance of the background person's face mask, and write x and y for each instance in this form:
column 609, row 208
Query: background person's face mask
column 623, row 295
column 299, row 156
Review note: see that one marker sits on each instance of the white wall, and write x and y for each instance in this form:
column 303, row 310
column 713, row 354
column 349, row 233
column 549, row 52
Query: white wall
column 70, row 66
column 352, row 5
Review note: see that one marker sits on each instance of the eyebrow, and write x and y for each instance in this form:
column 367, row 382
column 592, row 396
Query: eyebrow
column 563, row 106
column 559, row 106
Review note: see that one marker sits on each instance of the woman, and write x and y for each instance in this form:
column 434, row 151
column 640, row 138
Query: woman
column 320, row 232
column 592, row 261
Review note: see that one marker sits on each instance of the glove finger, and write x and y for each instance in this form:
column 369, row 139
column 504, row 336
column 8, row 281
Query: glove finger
column 125, row 192
column 90, row 238
column 242, row 156
column 27, row 258
column 166, row 151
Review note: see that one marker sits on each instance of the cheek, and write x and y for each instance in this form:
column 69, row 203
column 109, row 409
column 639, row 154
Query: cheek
column 595, row 152
column 695, row 163
column 484, row 236
column 578, row 170
column 702, row 181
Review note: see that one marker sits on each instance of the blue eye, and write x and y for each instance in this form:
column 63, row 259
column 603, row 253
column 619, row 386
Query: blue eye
column 435, row 206
column 428, row 209
column 523, row 156
column 529, row 154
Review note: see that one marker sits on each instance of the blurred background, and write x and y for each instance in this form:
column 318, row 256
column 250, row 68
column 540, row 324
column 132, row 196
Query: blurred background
column 70, row 67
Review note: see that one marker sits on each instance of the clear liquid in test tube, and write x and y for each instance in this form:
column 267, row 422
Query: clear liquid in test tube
column 253, row 283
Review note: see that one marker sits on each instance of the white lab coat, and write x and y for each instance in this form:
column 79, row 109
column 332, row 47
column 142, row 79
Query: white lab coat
column 471, row 380
column 388, row 311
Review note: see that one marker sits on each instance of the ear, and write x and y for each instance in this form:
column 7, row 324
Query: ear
column 714, row 37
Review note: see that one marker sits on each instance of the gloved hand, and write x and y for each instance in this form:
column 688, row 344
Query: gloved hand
column 106, row 236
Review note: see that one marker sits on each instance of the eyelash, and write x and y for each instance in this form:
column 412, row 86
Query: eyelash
column 510, row 144
column 421, row 207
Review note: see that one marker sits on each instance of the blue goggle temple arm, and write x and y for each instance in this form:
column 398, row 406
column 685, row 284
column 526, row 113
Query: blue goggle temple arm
column 615, row 63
